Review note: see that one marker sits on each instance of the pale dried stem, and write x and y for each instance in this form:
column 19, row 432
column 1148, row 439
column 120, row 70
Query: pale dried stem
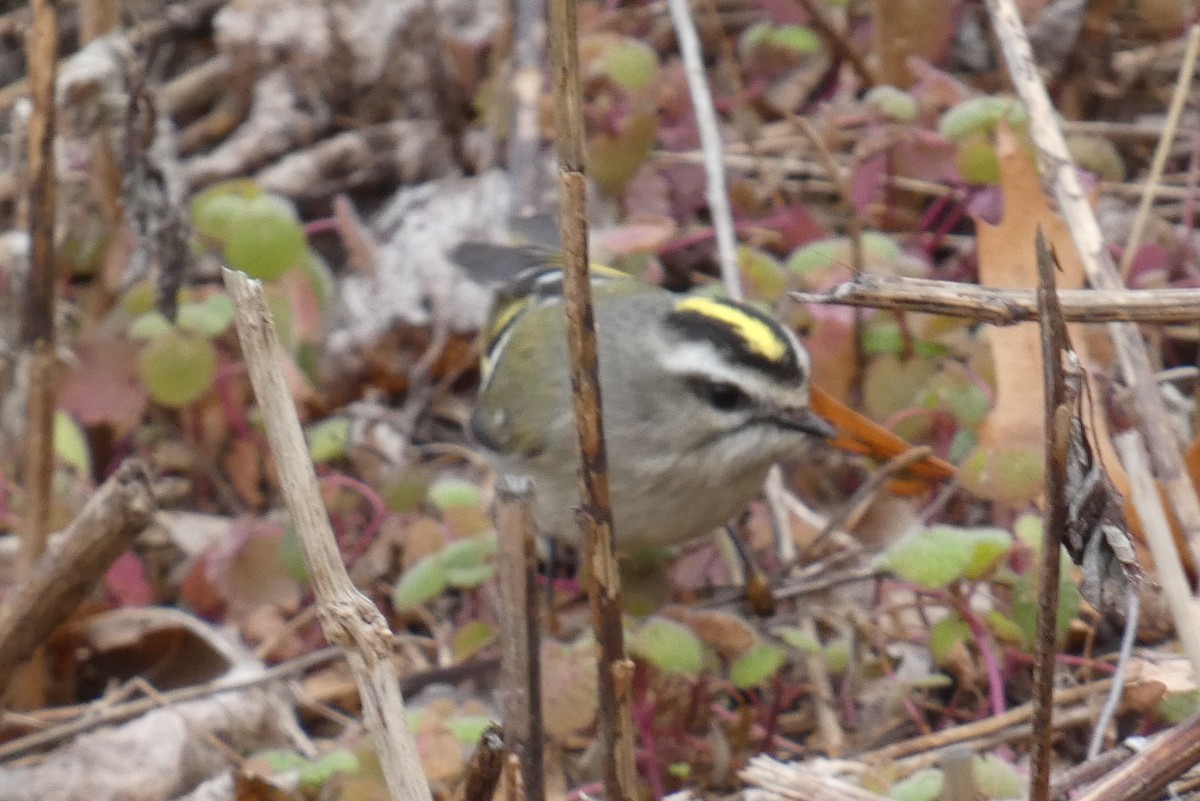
column 1010, row 306
column 710, row 143
column 349, row 619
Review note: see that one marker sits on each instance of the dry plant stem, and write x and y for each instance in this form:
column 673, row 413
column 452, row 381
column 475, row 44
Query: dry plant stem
column 1010, row 306
column 780, row 781
column 1058, row 411
column 348, row 618
column 1133, row 613
column 710, row 143
column 980, row 728
column 37, row 322
column 1182, row 83
column 1146, row 775
column 520, row 667
column 112, row 519
column 1153, row 517
column 1101, row 272
column 595, row 513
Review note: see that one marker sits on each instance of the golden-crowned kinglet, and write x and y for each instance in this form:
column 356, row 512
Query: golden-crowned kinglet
column 700, row 396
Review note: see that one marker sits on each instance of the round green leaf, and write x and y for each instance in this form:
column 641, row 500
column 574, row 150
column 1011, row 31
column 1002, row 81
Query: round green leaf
column 265, row 240
column 422, row 582
column 467, row 729
column 669, row 646
column 216, row 208
column 450, row 492
column 934, row 557
column 997, row 779
column 209, row 318
column 328, row 439
column 924, row 785
column 801, row 640
column 177, row 368
column 149, row 326
column 467, row 562
column 757, row 665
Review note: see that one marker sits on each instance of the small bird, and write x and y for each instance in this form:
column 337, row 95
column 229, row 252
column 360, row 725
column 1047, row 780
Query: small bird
column 700, row 396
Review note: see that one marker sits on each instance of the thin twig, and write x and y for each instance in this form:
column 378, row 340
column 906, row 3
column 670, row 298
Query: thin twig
column 997, row 306
column 348, row 618
column 595, row 512
column 1058, row 412
column 1178, row 97
column 1113, row 702
column 710, row 142
column 1137, row 372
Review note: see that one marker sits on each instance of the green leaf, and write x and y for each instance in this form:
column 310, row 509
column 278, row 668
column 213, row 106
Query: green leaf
column 797, row 38
column 680, row 770
column 210, row 318
column 470, row 638
column 945, row 634
column 669, row 646
column 1004, row 628
column 467, row 562
column 631, row 64
column 997, row 779
column 1175, row 708
column 837, row 656
column 420, row 583
column 328, row 439
column 450, row 492
column 934, row 557
column 314, row 775
column 216, row 208
column 70, row 444
column 281, row 761
column 149, row 326
column 467, row 729
column 757, row 665
column 177, row 368
column 980, row 115
column 802, row 641
column 265, row 239
column 924, row 785
column 1026, row 597
column 988, row 546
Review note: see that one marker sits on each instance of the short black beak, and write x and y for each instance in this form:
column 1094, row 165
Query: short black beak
column 806, row 421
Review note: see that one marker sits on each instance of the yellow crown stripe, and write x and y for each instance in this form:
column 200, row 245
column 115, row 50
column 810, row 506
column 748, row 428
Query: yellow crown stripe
column 759, row 336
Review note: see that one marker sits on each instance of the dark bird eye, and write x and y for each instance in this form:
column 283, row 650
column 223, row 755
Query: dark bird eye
column 725, row 397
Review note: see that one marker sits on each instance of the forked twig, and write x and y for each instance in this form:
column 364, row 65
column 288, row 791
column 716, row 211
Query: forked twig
column 348, row 618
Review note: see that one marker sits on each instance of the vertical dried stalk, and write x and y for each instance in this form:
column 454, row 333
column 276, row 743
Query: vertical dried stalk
column 37, row 323
column 710, row 142
column 1058, row 427
column 348, row 619
column 520, row 667
column 595, row 514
